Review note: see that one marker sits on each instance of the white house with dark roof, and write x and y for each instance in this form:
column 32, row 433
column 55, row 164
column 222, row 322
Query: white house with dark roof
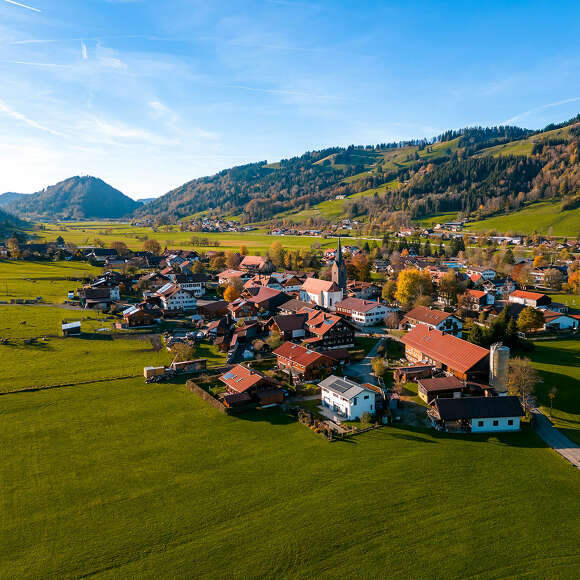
column 363, row 312
column 173, row 297
column 345, row 399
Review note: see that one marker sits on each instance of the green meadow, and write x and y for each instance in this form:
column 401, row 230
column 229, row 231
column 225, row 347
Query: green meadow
column 126, row 480
column 543, row 217
column 29, row 280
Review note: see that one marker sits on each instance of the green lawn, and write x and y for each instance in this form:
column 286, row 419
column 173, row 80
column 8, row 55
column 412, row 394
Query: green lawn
column 572, row 300
column 24, row 279
column 126, row 480
column 522, row 147
column 542, row 217
column 559, row 364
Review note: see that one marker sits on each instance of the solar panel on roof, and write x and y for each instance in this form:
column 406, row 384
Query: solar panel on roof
column 229, row 376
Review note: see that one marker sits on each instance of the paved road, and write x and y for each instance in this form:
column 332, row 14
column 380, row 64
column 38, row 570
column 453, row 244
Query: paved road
column 363, row 370
column 559, row 442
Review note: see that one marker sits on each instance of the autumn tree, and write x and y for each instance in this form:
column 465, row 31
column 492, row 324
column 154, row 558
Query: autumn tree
column 183, row 351
column 388, row 291
column 540, row 261
column 232, row 260
column 230, row 293
column 218, row 262
column 553, row 278
column 243, row 250
column 379, row 365
column 362, row 267
column 449, row 288
column 152, row 246
column 411, row 284
column 573, row 284
column 522, row 379
column 277, row 254
column 522, row 275
column 391, row 320
column 120, row 247
column 274, row 340
column 530, row 318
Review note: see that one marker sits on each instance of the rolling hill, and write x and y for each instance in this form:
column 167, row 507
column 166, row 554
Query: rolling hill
column 9, row 197
column 75, row 198
column 473, row 172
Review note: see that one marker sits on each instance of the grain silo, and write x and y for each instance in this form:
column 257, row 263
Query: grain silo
column 499, row 360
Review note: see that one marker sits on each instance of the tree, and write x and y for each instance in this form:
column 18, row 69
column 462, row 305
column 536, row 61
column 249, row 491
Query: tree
column 183, row 351
column 274, row 340
column 230, row 293
column 120, row 247
column 232, row 260
column 362, row 267
column 218, row 263
column 243, row 250
column 411, row 284
column 198, row 267
column 152, row 246
column 553, row 278
column 522, row 379
column 13, row 246
column 391, row 320
column 277, row 254
column 552, row 395
column 366, row 418
column 389, row 289
column 573, row 285
column 540, row 261
column 380, row 366
column 530, row 318
column 508, row 257
column 476, row 335
column 449, row 288
column 521, row 274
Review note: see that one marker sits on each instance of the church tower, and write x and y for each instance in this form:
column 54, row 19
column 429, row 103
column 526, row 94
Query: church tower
column 339, row 269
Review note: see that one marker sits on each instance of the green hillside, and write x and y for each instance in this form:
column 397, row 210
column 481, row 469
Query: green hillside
column 542, row 217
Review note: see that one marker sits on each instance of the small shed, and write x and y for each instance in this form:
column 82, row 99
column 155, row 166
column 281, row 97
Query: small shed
column 71, row 328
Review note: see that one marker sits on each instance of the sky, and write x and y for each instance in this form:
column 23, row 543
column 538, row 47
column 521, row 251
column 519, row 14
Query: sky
column 149, row 94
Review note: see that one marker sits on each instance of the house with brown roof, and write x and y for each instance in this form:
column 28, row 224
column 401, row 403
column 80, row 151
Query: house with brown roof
column 535, row 299
column 227, row 276
column 363, row 312
column 465, row 360
column 242, row 308
column 241, row 380
column 363, row 290
column 266, row 299
column 303, row 362
column 289, row 326
column 257, row 264
column 432, row 318
column 328, row 331
column 477, row 300
column 325, row 293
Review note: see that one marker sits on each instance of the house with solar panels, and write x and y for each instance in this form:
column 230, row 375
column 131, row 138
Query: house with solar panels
column 345, row 399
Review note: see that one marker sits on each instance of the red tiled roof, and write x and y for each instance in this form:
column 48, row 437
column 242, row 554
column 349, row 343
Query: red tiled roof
column 316, row 286
column 253, row 261
column 240, row 378
column 357, row 304
column 427, row 315
column 440, row 383
column 298, row 354
column 457, row 354
column 528, row 295
column 479, row 294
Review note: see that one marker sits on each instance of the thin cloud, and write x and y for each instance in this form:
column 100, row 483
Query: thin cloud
column 84, row 50
column 540, row 108
column 23, row 5
column 10, row 112
column 31, row 63
column 287, row 92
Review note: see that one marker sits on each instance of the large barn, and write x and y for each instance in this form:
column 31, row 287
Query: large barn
column 451, row 354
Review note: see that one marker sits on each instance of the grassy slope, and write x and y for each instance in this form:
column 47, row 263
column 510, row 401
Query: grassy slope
column 539, row 217
column 46, row 279
column 133, row 480
column 559, row 365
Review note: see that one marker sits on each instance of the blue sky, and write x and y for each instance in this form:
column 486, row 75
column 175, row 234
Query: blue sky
column 148, row 94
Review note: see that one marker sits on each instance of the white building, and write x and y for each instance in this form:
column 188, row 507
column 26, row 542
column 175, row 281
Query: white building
column 486, row 273
column 346, row 399
column 174, row 297
column 324, row 293
column 477, row 414
column 363, row 312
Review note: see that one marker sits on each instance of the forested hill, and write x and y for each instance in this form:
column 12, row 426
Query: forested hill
column 75, row 198
column 478, row 169
column 9, row 224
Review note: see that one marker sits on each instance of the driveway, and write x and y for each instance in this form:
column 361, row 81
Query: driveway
column 363, row 370
column 559, row 442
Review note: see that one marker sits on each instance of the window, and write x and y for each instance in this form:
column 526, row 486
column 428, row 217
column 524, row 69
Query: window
column 480, row 423
column 354, row 402
column 510, row 421
column 495, row 423
column 366, row 397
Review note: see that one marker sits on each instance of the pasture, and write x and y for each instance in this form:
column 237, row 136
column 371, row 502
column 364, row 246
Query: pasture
column 543, row 217
column 124, row 479
column 29, row 280
column 559, row 364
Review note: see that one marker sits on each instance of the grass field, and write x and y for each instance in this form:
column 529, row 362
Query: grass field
column 46, row 279
column 559, row 366
column 542, row 217
column 129, row 480
column 572, row 300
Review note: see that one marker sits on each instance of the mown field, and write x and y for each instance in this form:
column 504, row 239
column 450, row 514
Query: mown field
column 559, row 364
column 54, row 360
column 124, row 479
column 85, row 233
column 542, row 217
column 29, row 280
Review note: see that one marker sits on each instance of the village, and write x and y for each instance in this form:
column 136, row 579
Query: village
column 430, row 344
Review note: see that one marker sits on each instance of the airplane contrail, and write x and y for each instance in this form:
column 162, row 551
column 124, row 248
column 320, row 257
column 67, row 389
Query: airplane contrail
column 22, row 5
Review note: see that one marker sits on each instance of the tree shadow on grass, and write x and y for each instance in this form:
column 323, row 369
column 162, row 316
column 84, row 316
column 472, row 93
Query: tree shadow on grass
column 273, row 415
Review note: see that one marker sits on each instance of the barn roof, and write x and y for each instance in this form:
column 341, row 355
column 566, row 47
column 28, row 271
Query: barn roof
column 478, row 408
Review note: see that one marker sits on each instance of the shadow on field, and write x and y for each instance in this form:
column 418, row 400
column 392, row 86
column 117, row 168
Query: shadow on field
column 274, row 416
column 93, row 336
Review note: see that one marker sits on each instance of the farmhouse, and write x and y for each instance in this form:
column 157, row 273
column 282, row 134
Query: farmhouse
column 173, row 297
column 328, row 331
column 302, row 362
column 241, row 380
column 559, row 321
column 71, row 328
column 135, row 316
column 265, row 299
column 194, row 283
column 430, row 389
column 477, row 414
column 346, row 399
column 95, row 297
column 362, row 312
column 289, row 326
column 227, row 276
column 325, row 293
column 451, row 354
column 477, row 300
column 535, row 299
column 257, row 264
column 432, row 318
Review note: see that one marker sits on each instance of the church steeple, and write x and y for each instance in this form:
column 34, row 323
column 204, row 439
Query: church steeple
column 339, row 269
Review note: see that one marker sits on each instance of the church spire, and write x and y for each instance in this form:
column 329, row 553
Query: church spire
column 339, row 269
column 338, row 258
